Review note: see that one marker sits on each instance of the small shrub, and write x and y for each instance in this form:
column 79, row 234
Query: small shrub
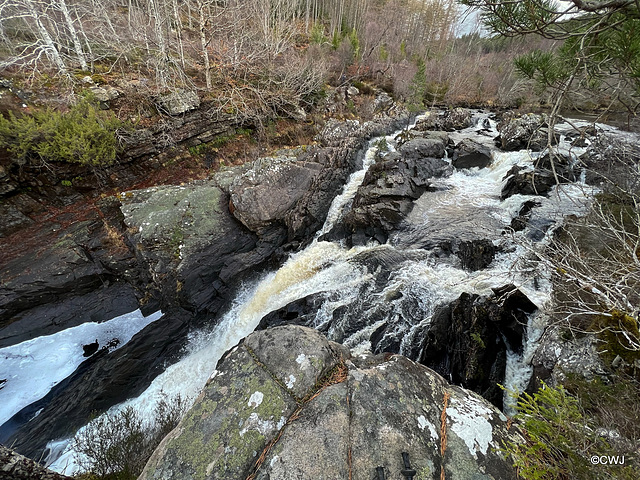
column 85, row 135
column 560, row 440
column 117, row 447
column 316, row 35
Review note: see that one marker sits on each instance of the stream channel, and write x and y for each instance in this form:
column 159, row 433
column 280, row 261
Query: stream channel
column 375, row 296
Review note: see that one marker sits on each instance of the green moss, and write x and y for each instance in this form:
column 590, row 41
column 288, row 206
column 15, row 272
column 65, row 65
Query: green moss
column 618, row 331
column 222, row 431
column 477, row 339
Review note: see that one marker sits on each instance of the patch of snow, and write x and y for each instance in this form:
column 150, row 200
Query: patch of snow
column 291, row 381
column 34, row 367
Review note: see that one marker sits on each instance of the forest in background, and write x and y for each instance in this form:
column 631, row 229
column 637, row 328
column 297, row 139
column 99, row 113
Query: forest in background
column 265, row 57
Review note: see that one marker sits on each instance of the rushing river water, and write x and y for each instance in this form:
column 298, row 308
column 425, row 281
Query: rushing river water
column 467, row 203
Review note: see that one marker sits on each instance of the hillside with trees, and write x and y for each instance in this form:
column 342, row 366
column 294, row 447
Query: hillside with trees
column 210, row 101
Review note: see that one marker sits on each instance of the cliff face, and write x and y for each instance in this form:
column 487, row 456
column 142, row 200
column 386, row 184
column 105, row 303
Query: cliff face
column 286, row 403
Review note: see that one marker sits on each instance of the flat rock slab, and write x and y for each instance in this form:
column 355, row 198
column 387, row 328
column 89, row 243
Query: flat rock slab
column 363, row 413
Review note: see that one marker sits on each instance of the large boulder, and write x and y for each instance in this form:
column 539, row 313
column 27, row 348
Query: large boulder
column 447, row 120
column 529, row 131
column 469, row 154
column 263, row 195
column 475, row 254
column 419, row 148
column 178, row 102
column 521, row 181
column 287, row 404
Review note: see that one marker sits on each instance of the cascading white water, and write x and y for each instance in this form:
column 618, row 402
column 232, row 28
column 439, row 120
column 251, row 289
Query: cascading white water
column 469, row 199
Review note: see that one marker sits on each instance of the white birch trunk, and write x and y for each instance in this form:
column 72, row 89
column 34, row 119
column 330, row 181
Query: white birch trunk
column 77, row 46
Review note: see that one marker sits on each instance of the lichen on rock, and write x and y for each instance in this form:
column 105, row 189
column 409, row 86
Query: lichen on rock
column 343, row 417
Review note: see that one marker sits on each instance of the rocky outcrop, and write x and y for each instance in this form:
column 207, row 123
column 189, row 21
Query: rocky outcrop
column 547, row 172
column 612, row 160
column 475, row 254
column 522, row 181
column 387, row 194
column 198, row 241
column 561, row 353
column 448, row 120
column 518, row 132
column 467, row 340
column 390, row 187
column 265, row 194
column 286, row 403
column 178, row 102
column 16, row 467
column 66, row 274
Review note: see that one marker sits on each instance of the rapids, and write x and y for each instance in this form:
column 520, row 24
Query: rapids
column 406, row 282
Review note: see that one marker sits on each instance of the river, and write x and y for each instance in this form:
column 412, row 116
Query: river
column 416, row 280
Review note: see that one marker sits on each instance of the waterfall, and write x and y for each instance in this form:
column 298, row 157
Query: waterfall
column 417, row 281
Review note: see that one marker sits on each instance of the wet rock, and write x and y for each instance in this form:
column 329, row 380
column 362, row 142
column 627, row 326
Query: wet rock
column 419, row 148
column 178, row 102
column 339, row 156
column 470, row 154
column 447, row 120
column 467, row 340
column 559, row 162
column 526, row 182
column 369, row 411
column 580, row 142
column 519, row 222
column 90, row 349
column 529, row 131
column 299, row 312
column 68, row 267
column 475, row 254
column 387, row 194
column 16, row 467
